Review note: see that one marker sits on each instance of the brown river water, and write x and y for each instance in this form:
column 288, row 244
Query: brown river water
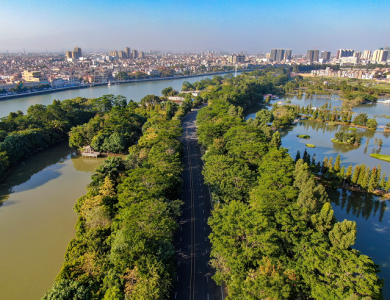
column 37, row 220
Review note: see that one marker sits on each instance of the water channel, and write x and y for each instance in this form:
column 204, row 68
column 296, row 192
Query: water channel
column 371, row 213
column 36, row 216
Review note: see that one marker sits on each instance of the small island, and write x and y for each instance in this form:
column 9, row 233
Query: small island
column 381, row 156
column 303, row 136
column 347, row 138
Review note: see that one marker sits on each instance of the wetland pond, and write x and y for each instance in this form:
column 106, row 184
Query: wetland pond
column 371, row 213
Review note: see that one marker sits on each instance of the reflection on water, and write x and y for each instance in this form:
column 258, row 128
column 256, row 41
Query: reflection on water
column 360, row 205
column 372, row 217
column 321, row 135
column 27, row 169
column 37, row 219
column 371, row 213
column 84, row 164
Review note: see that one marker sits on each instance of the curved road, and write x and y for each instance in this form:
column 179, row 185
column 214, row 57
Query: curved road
column 192, row 245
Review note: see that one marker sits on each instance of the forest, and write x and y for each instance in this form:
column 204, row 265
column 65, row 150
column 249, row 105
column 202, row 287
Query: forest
column 274, row 234
column 360, row 178
column 123, row 244
column 21, row 135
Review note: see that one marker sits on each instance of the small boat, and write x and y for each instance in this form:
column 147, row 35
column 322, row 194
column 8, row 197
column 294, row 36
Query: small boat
column 109, row 83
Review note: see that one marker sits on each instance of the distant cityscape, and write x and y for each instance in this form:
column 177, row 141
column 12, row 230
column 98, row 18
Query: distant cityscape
column 27, row 72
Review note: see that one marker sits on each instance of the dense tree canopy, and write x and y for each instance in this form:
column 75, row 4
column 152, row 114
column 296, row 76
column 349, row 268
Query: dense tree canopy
column 123, row 245
column 274, row 235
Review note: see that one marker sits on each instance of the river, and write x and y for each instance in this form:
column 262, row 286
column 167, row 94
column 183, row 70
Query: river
column 36, row 200
column 37, row 220
column 134, row 91
column 371, row 213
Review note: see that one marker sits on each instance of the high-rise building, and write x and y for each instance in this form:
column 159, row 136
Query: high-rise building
column 69, row 54
column 273, row 55
column 236, row 58
column 357, row 54
column 122, row 54
column 128, row 52
column 114, row 53
column 279, row 54
column 325, row 55
column 288, row 54
column 380, row 55
column 135, row 54
column 75, row 54
column 141, row 54
column 79, row 53
column 310, row 55
column 366, row 54
column 316, row 55
column 344, row 53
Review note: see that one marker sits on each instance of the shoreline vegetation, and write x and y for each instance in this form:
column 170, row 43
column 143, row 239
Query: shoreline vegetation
column 123, row 246
column 361, row 179
column 261, row 197
column 91, row 85
column 352, row 91
column 126, row 221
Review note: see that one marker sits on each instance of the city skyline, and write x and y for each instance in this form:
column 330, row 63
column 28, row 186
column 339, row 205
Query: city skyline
column 228, row 26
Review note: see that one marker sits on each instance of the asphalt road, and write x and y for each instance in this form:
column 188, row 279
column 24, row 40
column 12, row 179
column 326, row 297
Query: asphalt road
column 192, row 245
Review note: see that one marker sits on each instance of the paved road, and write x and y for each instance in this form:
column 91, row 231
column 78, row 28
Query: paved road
column 192, row 245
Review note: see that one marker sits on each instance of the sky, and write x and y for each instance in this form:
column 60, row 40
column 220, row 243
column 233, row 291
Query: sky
column 219, row 25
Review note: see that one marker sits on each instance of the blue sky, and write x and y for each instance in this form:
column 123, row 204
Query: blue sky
column 253, row 26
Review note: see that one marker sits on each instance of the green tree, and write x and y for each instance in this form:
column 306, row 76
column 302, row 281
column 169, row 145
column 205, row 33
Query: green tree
column 115, row 143
column 67, row 289
column 366, row 179
column 362, row 175
column 356, row 175
column 336, row 166
column 373, row 181
column 382, row 183
column 348, row 175
column 276, row 140
column 274, row 189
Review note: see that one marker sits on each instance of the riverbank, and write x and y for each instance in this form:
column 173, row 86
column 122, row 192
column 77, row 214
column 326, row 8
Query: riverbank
column 345, row 186
column 49, row 91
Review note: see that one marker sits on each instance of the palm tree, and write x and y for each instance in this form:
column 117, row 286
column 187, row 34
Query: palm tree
column 112, row 167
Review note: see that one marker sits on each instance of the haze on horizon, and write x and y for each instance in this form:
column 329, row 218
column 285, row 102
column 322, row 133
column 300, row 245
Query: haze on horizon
column 253, row 26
